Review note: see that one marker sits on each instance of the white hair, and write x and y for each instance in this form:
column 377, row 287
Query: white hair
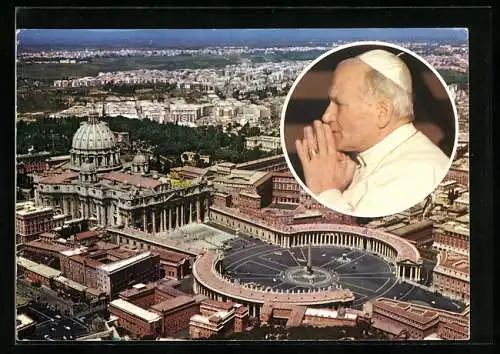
column 379, row 86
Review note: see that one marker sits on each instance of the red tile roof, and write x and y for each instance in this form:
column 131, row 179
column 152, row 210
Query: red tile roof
column 134, row 291
column 171, row 304
column 89, row 262
column 461, row 328
column 192, row 171
column 168, row 290
column 386, row 326
column 59, row 178
column 85, row 235
column 241, row 310
column 121, row 253
column 170, row 256
column 406, row 313
column 95, row 292
column 218, row 304
column 45, row 245
column 135, row 180
column 454, row 261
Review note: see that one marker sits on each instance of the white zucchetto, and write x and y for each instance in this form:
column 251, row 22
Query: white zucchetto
column 389, row 65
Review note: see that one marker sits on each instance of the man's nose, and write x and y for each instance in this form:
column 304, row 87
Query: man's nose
column 329, row 114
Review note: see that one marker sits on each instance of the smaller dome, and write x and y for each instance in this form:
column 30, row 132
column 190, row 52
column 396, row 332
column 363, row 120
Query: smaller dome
column 87, row 166
column 139, row 159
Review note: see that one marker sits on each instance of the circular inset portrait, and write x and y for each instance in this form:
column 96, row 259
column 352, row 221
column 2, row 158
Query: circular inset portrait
column 369, row 129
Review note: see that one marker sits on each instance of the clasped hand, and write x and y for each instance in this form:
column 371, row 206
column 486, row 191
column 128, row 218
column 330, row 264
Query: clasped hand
column 324, row 167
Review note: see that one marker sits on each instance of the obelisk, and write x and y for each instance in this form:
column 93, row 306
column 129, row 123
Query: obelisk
column 309, row 266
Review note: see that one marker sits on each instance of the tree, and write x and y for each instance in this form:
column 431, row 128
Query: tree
column 167, row 139
column 98, row 324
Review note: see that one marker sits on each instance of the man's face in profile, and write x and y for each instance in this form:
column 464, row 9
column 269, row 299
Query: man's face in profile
column 351, row 113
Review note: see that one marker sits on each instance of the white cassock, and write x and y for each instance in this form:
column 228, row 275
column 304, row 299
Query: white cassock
column 392, row 176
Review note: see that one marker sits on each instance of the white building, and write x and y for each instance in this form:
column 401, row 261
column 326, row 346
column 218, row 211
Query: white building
column 265, row 143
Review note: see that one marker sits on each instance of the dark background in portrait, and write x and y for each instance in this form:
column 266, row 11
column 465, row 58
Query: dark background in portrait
column 432, row 108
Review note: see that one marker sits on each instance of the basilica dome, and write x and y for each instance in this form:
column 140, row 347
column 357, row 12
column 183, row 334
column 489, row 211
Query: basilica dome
column 93, row 137
column 96, row 142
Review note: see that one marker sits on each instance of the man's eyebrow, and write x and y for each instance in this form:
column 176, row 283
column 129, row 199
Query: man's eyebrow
column 332, row 96
column 330, row 92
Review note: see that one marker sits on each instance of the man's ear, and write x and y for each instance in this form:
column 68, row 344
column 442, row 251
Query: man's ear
column 384, row 113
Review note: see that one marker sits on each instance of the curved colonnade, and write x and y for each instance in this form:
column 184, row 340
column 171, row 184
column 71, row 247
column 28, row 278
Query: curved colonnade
column 393, row 249
column 209, row 282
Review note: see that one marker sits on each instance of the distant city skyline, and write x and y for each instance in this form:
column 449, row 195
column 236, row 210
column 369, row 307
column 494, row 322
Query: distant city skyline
column 220, row 37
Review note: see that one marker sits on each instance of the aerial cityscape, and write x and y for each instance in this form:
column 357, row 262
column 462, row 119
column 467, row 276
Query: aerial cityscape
column 154, row 202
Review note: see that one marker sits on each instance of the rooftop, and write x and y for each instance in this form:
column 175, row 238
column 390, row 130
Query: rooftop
column 89, row 262
column 413, row 227
column 386, row 326
column 464, row 219
column 135, row 310
column 454, row 227
column 37, row 268
column 448, row 183
column 250, row 194
column 59, row 178
column 131, row 179
column 264, row 159
column 327, row 313
column 265, row 138
column 454, row 261
column 25, row 262
column 238, row 176
column 445, row 315
column 405, row 310
column 86, row 235
column 175, row 245
column 191, row 169
column 47, row 246
column 394, row 227
column 308, row 214
column 95, row 292
column 112, row 267
column 74, row 251
column 464, row 198
column 59, row 158
column 200, row 318
column 169, row 290
column 218, row 304
column 173, row 303
column 170, row 256
column 137, row 289
column 70, row 283
column 29, row 209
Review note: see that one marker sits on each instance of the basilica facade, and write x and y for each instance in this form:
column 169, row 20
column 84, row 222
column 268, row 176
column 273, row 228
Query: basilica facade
column 97, row 187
